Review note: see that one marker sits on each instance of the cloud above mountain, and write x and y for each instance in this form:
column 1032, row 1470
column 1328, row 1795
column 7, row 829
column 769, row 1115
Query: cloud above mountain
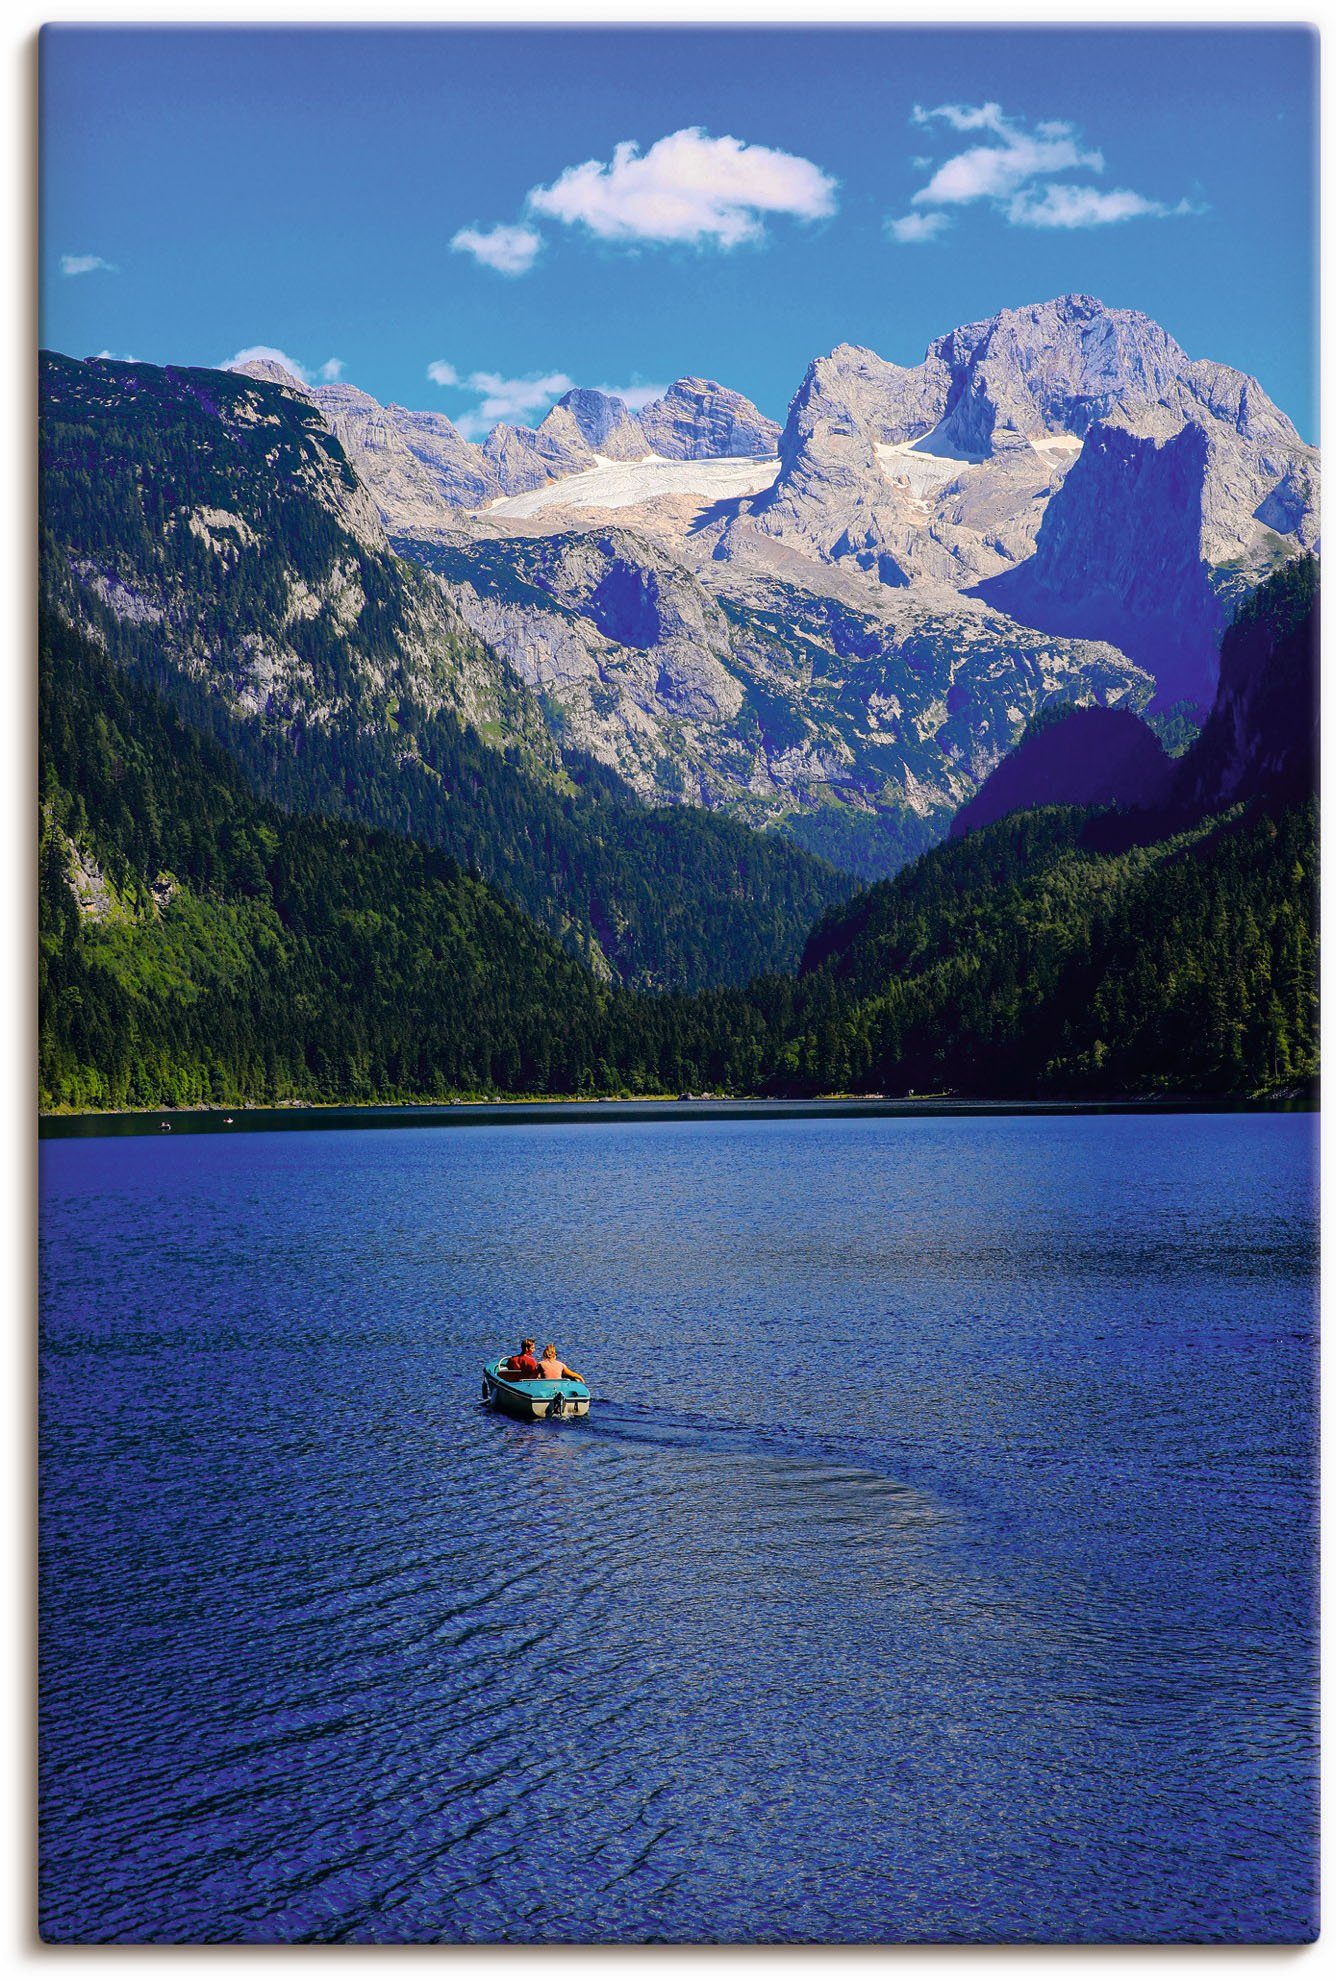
column 688, row 187
column 918, row 226
column 324, row 374
column 634, row 397
column 1013, row 174
column 521, row 401
column 515, row 400
column 509, row 250
column 1088, row 206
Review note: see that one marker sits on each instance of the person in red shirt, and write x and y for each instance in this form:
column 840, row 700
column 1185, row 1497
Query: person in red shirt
column 525, row 1363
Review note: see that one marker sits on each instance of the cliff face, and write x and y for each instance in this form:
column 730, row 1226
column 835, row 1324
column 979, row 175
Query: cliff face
column 222, row 526
column 1067, row 460
column 1118, row 557
column 415, row 464
column 854, row 722
column 699, row 420
column 1260, row 739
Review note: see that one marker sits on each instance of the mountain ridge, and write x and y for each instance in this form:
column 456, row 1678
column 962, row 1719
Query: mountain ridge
column 224, row 551
column 199, row 945
column 844, row 654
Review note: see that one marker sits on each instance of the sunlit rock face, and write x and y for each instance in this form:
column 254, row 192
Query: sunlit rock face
column 418, row 466
column 258, row 571
column 839, row 627
column 997, row 463
column 855, row 718
column 698, row 420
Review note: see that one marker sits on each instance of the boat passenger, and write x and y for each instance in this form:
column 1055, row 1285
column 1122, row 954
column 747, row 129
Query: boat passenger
column 526, row 1362
column 552, row 1368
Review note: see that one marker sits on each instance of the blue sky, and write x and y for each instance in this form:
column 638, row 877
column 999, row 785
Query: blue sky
column 389, row 202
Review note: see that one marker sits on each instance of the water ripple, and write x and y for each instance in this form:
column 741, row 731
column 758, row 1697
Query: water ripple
column 934, row 1564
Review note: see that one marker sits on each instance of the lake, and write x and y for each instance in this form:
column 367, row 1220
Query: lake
column 936, row 1562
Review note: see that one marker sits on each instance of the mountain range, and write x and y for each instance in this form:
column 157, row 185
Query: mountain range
column 199, row 942
column 205, row 531
column 685, row 678
column 837, row 628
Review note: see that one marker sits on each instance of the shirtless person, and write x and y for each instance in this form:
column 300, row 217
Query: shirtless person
column 554, row 1369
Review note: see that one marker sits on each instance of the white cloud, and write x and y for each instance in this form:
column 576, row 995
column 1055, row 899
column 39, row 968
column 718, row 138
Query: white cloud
column 634, row 397
column 85, row 265
column 962, row 116
column 522, row 401
column 331, row 369
column 687, row 187
column 266, row 354
column 1084, row 206
column 509, row 250
column 918, row 226
column 519, row 401
column 1007, row 175
column 995, row 171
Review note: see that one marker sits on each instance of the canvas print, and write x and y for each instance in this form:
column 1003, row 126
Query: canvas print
column 678, row 949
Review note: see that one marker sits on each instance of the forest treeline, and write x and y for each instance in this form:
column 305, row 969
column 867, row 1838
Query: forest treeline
column 201, row 944
column 361, row 720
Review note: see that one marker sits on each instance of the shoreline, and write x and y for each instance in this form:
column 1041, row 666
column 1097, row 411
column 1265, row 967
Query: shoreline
column 215, row 1118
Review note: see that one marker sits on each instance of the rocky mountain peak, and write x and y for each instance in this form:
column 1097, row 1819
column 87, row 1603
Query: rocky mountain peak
column 596, row 415
column 1050, row 368
column 592, row 422
column 698, row 419
column 273, row 373
column 1001, row 460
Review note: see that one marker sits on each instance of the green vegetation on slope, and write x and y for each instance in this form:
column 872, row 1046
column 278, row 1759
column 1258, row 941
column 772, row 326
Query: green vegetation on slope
column 200, row 943
column 207, row 530
column 229, row 951
column 239, row 950
column 236, row 952
column 1019, row 961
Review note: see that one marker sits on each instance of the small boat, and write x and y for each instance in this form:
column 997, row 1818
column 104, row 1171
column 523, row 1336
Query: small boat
column 532, row 1397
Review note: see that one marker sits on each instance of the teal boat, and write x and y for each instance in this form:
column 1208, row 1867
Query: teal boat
column 532, row 1397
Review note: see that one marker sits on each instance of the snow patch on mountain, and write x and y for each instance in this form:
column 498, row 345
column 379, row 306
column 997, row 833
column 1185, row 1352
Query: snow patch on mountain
column 624, row 484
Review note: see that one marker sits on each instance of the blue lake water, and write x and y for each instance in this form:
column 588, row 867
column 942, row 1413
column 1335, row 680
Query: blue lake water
column 936, row 1561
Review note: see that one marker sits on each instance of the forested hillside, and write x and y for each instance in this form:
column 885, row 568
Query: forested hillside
column 207, row 532
column 198, row 944
column 1020, row 961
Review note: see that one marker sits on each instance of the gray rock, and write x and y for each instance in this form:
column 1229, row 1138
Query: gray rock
column 273, row 373
column 420, row 469
column 598, row 421
column 1118, row 557
column 523, row 457
column 758, row 696
column 948, row 471
column 697, row 419
column 458, row 468
column 414, row 464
